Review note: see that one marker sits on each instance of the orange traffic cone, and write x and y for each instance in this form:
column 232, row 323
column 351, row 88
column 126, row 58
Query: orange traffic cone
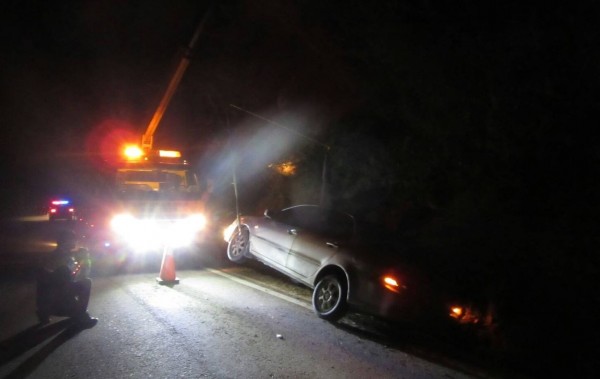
column 167, row 268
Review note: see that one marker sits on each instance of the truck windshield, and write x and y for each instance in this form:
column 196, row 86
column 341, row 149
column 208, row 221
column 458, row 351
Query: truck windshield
column 156, row 181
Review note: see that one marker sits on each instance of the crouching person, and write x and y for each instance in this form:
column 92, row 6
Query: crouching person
column 62, row 286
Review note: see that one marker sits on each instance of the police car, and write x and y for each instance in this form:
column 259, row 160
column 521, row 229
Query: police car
column 61, row 209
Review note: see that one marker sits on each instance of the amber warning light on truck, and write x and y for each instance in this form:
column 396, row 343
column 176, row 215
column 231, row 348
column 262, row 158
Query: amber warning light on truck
column 133, row 152
column 169, row 154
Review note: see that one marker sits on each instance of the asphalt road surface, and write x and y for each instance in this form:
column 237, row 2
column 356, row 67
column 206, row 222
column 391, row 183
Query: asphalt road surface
column 221, row 321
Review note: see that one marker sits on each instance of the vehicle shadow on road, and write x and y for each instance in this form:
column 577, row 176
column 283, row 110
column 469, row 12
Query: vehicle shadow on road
column 58, row 333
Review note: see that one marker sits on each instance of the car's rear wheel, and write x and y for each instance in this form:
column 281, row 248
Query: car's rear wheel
column 329, row 298
column 239, row 245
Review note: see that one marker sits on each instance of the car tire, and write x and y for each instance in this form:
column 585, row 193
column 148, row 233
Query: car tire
column 239, row 246
column 329, row 298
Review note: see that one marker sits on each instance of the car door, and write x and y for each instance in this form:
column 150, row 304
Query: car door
column 319, row 235
column 273, row 237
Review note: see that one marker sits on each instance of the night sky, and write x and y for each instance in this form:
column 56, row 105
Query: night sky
column 72, row 66
column 445, row 99
column 74, row 72
column 440, row 103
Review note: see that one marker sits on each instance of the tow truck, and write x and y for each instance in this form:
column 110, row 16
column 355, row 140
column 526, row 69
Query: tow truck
column 156, row 203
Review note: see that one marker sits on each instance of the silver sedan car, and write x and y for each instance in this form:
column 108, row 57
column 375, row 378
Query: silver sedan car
column 347, row 268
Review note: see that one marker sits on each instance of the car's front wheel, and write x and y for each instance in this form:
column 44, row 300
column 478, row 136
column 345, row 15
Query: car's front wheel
column 239, row 245
column 329, row 298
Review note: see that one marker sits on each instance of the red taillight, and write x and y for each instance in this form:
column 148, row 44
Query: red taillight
column 391, row 283
column 464, row 315
column 71, row 210
column 456, row 312
column 53, row 210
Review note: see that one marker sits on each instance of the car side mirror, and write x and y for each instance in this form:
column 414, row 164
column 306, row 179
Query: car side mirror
column 268, row 213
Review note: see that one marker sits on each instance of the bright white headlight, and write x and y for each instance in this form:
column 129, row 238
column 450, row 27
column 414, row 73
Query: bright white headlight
column 196, row 222
column 122, row 222
column 182, row 232
column 148, row 234
column 228, row 231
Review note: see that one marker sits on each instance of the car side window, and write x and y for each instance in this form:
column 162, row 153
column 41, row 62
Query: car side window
column 301, row 217
column 308, row 218
column 329, row 224
column 285, row 216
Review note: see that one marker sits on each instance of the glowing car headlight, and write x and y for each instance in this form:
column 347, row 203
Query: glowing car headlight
column 228, row 231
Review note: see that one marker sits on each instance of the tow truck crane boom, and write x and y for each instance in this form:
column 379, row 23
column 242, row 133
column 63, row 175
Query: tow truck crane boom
column 148, row 136
column 157, row 170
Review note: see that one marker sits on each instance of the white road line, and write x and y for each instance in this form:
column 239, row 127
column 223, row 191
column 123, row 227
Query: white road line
column 263, row 289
